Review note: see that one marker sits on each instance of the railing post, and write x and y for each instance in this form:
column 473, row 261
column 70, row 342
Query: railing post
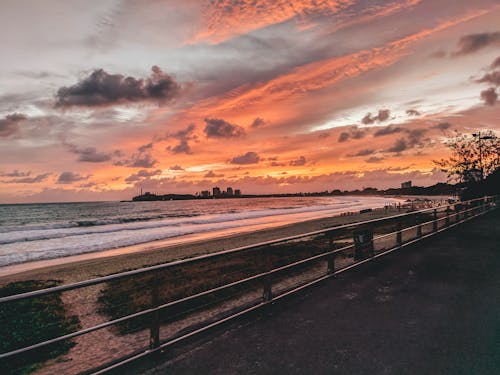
column 448, row 216
column 331, row 259
column 154, row 328
column 267, row 292
column 435, row 223
column 399, row 234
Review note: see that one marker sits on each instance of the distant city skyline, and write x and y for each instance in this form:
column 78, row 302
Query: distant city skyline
column 101, row 98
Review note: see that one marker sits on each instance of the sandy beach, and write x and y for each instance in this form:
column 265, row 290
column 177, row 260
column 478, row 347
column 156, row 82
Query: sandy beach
column 100, row 264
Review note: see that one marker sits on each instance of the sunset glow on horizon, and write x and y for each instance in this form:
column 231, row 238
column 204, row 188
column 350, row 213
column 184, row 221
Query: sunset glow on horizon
column 101, row 99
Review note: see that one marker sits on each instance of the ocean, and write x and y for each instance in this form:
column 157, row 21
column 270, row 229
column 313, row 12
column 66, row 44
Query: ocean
column 31, row 232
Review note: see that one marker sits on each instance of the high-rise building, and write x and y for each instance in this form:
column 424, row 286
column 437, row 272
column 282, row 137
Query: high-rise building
column 237, row 192
column 205, row 193
column 216, row 191
column 406, row 185
column 229, row 191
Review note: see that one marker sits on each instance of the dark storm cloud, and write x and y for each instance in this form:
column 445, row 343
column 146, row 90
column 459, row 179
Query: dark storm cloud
column 298, row 162
column 364, row 152
column 142, row 174
column 412, row 112
column 248, row 158
column 183, row 136
column 388, row 130
column 489, row 96
column 70, row 177
column 219, row 128
column 474, row 42
column 416, row 137
column 492, row 78
column 88, row 154
column 257, row 122
column 383, row 115
column 26, row 179
column 399, row 146
column 9, row 125
column 102, row 88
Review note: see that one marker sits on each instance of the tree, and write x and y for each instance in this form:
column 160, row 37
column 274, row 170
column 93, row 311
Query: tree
column 473, row 157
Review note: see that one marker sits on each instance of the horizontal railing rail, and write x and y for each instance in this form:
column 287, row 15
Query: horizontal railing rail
column 463, row 211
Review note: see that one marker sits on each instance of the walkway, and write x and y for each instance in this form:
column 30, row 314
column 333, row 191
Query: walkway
column 430, row 309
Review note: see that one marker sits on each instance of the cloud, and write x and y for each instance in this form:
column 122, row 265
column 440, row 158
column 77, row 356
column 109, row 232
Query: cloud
column 415, row 137
column 9, row 125
column 257, row 122
column 399, row 146
column 70, row 177
column 277, row 164
column 298, row 162
column 412, row 112
column 344, row 136
column 145, row 147
column 219, row 128
column 492, row 78
column 374, row 159
column 138, row 160
column 474, row 42
column 442, row 126
column 26, row 179
column 354, row 132
column 15, row 173
column 248, row 158
column 495, row 64
column 212, row 174
column 183, row 136
column 142, row 174
column 176, row 168
column 364, row 152
column 489, row 96
column 88, row 154
column 383, row 115
column 101, row 88
column 387, row 130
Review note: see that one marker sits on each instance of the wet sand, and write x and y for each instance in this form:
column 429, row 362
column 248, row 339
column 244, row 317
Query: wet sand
column 86, row 266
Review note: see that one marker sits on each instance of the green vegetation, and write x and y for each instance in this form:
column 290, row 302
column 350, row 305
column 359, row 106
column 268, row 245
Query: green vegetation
column 29, row 321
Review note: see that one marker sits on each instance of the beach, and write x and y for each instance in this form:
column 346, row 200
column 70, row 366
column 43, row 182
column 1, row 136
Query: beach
column 69, row 269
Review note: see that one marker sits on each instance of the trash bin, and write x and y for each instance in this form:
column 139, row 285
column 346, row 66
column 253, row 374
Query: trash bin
column 363, row 244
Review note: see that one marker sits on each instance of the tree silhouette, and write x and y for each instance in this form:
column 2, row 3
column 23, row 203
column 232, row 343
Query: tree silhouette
column 473, row 157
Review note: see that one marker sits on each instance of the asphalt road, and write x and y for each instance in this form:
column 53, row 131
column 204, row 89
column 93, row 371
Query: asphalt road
column 432, row 308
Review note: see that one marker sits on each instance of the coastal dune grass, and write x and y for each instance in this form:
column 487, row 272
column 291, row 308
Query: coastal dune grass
column 27, row 322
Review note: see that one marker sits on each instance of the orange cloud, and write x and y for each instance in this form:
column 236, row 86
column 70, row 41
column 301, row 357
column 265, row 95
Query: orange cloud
column 225, row 19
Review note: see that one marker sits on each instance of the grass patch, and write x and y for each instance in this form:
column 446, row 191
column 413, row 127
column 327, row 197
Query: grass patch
column 29, row 321
column 126, row 296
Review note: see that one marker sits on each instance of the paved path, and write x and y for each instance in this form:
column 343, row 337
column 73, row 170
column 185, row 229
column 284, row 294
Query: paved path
column 429, row 309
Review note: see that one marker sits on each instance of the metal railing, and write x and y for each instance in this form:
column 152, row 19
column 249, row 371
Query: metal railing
column 280, row 267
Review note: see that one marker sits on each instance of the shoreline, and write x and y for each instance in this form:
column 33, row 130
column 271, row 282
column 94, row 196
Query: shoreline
column 85, row 266
column 101, row 263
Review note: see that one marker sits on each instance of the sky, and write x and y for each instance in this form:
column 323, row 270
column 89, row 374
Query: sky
column 99, row 99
